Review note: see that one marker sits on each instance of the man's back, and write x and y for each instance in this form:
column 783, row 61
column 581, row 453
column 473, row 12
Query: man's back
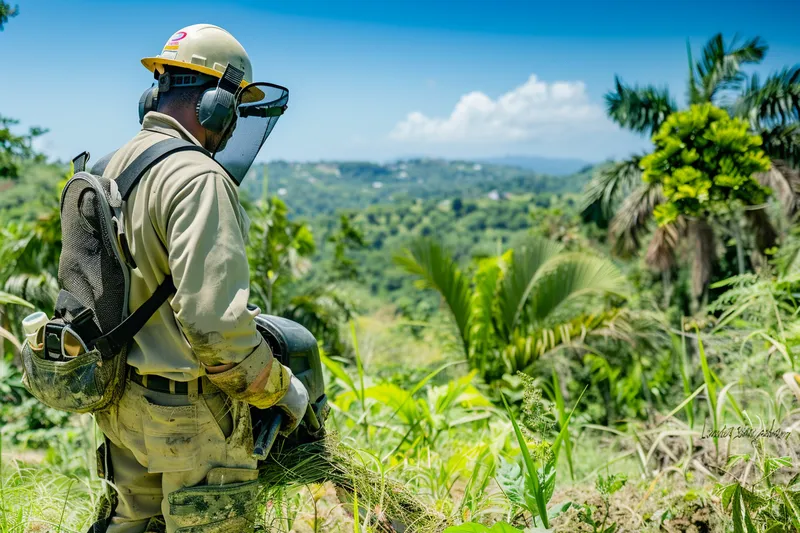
column 184, row 219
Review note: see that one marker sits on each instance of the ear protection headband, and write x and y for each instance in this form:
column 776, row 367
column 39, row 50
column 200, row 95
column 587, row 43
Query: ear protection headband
column 216, row 108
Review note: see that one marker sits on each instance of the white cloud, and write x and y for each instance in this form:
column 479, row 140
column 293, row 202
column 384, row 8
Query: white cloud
column 535, row 109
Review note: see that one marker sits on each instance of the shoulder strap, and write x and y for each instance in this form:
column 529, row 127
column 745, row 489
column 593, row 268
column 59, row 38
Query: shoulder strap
column 116, row 339
column 100, row 167
column 129, row 177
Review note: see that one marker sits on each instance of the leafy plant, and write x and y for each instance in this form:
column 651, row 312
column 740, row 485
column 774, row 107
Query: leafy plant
column 531, row 487
column 520, row 305
column 606, row 486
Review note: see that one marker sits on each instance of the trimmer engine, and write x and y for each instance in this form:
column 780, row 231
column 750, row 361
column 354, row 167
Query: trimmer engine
column 295, row 347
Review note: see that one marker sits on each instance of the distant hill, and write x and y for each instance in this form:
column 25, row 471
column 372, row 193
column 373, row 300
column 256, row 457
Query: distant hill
column 311, row 189
column 543, row 165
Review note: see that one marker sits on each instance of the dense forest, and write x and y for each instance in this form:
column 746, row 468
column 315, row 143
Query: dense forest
column 610, row 351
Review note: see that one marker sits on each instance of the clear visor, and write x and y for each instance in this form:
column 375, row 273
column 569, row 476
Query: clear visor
column 260, row 105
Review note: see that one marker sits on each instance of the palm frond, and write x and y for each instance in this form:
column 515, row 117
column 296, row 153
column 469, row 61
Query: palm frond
column 436, row 268
column 720, row 67
column 640, row 329
column 524, row 349
column 565, row 278
column 10, row 299
column 776, row 102
column 663, row 246
column 609, row 187
column 693, row 95
column 785, row 184
column 633, row 218
column 7, row 335
column 641, row 109
column 39, row 289
column 782, row 144
column 521, row 278
column 482, row 328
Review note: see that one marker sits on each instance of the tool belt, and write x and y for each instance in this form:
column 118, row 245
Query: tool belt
column 161, row 384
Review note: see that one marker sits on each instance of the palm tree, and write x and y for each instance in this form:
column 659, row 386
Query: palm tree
column 772, row 108
column 523, row 304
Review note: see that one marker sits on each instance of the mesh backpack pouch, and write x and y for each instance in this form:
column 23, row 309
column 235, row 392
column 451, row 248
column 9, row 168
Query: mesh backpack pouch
column 78, row 361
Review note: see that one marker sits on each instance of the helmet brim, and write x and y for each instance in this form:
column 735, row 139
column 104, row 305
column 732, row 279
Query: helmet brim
column 253, row 94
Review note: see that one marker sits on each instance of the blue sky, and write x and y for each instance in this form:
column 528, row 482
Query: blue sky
column 378, row 80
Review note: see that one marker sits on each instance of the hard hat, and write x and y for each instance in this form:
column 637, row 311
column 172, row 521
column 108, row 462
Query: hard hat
column 202, row 48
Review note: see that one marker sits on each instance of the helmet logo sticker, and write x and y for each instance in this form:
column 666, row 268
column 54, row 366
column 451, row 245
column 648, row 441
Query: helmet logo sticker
column 178, row 36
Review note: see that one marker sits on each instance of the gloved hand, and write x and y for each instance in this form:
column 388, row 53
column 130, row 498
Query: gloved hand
column 293, row 405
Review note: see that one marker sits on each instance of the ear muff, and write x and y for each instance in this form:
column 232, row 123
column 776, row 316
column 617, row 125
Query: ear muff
column 216, row 109
column 148, row 102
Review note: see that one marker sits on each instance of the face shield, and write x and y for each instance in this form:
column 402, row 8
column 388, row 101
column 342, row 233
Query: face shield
column 259, row 106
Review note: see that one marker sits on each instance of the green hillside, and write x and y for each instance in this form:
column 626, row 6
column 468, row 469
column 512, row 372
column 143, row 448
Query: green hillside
column 310, row 189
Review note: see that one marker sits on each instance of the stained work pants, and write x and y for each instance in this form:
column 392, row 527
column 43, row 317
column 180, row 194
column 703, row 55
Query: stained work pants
column 163, row 443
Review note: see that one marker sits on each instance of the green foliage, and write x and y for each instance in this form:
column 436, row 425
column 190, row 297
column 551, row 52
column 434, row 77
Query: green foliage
column 348, row 237
column 704, row 160
column 765, row 507
column 6, row 12
column 278, row 252
column 14, row 149
column 761, row 310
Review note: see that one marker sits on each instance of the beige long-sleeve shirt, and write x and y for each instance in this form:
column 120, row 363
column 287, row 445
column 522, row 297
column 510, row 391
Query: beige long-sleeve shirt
column 184, row 218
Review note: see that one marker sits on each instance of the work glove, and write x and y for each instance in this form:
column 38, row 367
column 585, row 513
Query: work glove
column 293, row 405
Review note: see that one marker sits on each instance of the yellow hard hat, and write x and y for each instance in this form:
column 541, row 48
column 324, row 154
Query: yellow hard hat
column 202, row 48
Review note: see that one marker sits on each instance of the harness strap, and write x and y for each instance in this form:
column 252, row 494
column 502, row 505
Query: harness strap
column 116, row 339
column 100, row 167
column 129, row 177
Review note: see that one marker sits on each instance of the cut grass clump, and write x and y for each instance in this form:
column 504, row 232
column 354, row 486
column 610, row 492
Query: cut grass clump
column 387, row 504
